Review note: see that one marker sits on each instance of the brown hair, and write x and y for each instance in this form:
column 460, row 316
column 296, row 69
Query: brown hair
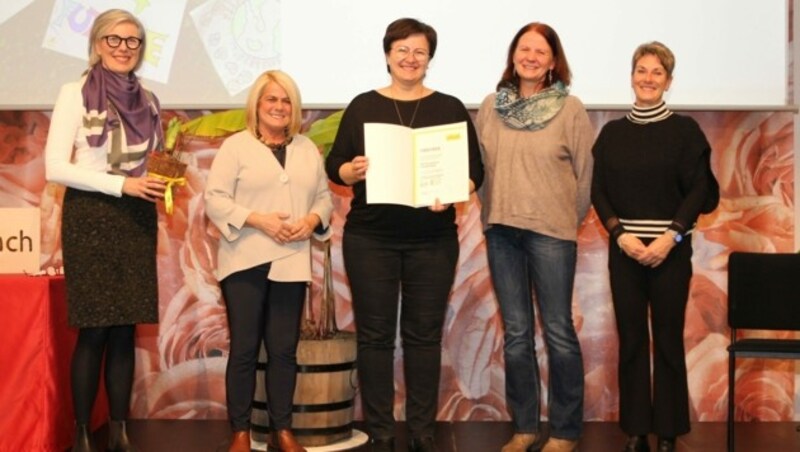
column 660, row 51
column 561, row 72
column 405, row 27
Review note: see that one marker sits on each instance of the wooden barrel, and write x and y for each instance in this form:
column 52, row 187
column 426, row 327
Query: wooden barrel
column 323, row 399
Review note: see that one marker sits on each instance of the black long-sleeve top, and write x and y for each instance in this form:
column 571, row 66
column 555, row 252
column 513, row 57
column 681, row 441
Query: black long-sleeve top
column 389, row 220
column 654, row 176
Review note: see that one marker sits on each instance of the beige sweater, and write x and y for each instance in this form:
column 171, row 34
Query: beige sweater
column 246, row 177
column 537, row 180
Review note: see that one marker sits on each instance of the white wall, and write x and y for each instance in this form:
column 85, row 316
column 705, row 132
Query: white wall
column 730, row 53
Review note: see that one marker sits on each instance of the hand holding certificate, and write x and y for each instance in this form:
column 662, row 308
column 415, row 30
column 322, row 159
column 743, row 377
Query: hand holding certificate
column 415, row 167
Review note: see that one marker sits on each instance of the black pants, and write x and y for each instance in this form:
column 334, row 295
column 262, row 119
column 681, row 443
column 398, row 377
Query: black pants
column 260, row 309
column 381, row 271
column 663, row 290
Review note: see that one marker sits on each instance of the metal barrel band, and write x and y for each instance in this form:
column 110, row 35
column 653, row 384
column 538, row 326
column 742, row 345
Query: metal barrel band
column 321, row 368
column 322, row 407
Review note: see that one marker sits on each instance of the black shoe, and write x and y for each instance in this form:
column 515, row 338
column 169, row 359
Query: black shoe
column 382, row 444
column 637, row 443
column 424, row 444
column 666, row 444
column 83, row 439
column 118, row 437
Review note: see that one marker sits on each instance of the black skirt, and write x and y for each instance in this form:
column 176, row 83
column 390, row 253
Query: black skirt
column 109, row 247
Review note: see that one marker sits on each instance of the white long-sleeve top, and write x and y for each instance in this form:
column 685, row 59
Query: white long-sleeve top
column 86, row 167
column 245, row 177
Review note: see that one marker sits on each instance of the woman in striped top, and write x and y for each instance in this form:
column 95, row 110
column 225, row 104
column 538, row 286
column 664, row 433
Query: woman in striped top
column 651, row 180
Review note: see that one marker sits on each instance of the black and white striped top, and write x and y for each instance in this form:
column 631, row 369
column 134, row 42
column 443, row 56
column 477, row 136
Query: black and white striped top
column 647, row 115
column 649, row 229
column 652, row 177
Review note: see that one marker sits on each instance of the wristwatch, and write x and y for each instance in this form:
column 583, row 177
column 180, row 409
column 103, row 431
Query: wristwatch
column 676, row 236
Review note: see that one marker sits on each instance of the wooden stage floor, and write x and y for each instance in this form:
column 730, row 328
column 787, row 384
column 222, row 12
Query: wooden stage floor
column 212, row 435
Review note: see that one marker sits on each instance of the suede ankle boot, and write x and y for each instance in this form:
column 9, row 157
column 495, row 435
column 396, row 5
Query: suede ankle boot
column 83, row 439
column 118, row 437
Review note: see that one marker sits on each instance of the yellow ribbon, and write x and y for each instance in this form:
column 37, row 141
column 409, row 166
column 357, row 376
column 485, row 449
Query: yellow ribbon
column 168, row 202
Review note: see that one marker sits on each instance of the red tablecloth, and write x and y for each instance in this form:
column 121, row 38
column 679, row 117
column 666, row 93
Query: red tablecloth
column 35, row 350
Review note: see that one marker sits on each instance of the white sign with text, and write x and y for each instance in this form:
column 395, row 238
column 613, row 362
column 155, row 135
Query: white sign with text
column 19, row 240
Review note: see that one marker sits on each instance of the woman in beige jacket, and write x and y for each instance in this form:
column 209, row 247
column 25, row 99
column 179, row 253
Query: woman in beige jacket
column 267, row 193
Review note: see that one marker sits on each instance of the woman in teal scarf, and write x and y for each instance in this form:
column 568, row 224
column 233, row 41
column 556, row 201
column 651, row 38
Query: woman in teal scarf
column 536, row 141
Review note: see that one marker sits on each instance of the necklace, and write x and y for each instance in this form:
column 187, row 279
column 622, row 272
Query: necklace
column 277, row 146
column 413, row 116
column 274, row 146
column 278, row 149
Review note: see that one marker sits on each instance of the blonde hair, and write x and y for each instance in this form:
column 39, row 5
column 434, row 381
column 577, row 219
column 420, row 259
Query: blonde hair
column 284, row 81
column 104, row 23
column 660, row 51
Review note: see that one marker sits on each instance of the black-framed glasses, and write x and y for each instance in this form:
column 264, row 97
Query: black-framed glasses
column 131, row 42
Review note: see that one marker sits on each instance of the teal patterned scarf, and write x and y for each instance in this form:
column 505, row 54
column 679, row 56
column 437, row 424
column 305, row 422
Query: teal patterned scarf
column 531, row 113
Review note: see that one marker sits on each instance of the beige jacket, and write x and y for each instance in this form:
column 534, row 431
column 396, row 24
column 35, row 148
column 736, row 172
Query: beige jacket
column 246, row 177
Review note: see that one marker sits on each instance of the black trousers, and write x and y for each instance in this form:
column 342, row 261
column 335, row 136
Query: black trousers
column 260, row 309
column 664, row 292
column 381, row 273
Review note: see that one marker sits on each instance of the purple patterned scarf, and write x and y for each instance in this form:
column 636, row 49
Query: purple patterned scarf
column 113, row 100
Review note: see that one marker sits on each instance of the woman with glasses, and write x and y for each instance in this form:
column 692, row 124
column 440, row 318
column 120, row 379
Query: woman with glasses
column 537, row 142
column 398, row 256
column 102, row 129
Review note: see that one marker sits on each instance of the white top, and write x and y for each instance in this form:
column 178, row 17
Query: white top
column 85, row 168
column 246, row 177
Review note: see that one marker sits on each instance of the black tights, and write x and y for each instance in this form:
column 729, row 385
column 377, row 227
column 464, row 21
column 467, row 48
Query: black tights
column 118, row 344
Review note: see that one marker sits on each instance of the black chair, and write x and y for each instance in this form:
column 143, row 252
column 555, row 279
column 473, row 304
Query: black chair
column 763, row 294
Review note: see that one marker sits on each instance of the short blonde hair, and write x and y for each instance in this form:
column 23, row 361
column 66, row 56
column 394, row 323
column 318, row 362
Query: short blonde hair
column 662, row 52
column 288, row 85
column 104, row 23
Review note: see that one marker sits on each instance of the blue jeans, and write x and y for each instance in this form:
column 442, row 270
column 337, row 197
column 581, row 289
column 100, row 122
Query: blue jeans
column 520, row 259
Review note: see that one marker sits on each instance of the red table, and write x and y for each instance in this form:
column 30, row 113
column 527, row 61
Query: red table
column 35, row 350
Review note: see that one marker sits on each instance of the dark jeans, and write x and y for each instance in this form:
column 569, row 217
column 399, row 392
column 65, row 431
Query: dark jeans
column 520, row 259
column 659, row 295
column 260, row 309
column 381, row 272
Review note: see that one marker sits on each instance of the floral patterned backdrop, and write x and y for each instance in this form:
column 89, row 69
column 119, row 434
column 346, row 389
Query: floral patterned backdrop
column 181, row 361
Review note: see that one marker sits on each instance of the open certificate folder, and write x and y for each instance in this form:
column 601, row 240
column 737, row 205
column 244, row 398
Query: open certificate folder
column 413, row 167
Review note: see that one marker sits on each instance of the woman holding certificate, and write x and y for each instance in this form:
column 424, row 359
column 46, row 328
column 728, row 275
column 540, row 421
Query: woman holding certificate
column 537, row 141
column 396, row 253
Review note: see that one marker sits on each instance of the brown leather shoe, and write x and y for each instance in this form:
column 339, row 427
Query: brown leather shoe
column 560, row 445
column 284, row 441
column 522, row 442
column 240, row 442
